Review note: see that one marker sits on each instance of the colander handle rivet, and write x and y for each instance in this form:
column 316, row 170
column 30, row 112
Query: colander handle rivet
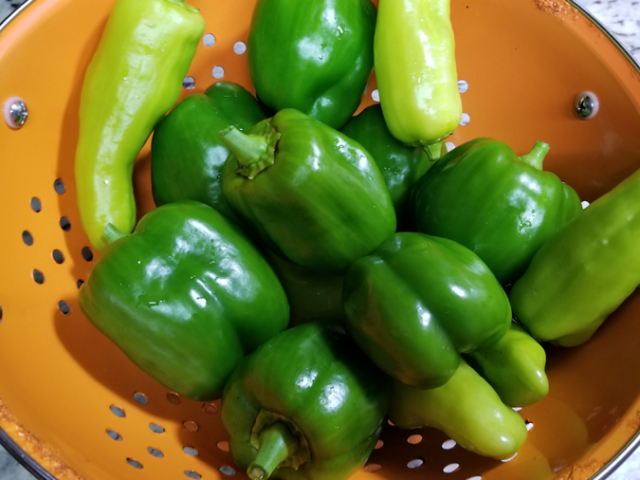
column 15, row 112
column 586, row 105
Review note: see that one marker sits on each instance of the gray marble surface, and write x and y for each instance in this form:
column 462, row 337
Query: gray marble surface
column 620, row 17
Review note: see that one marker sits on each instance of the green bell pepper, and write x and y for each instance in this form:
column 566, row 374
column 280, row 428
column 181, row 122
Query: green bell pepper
column 312, row 194
column 585, row 272
column 186, row 153
column 467, row 409
column 415, row 64
column 401, row 165
column 314, row 56
column 417, row 302
column 514, row 367
column 185, row 297
column 501, row 206
column 134, row 78
column 305, row 405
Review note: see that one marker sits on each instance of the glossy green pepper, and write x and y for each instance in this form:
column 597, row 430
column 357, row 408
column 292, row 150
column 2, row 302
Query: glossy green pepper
column 313, row 195
column 186, row 153
column 314, row 56
column 305, row 405
column 416, row 70
column 501, row 206
column 185, row 297
column 419, row 301
column 514, row 367
column 401, row 165
column 312, row 296
column 134, row 78
column 467, row 409
column 585, row 271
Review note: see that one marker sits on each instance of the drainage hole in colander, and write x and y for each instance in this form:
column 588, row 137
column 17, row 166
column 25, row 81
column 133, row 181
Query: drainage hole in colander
column 196, row 475
column 452, row 467
column 415, row 463
column 58, row 186
column 528, row 424
column 114, row 435
column 224, row 446
column 510, row 458
column 36, row 205
column 38, row 276
column 189, row 83
column 373, row 467
column 210, row 408
column 477, row 477
column 155, row 452
column 391, row 423
column 87, row 254
column 64, row 307
column 191, row 426
column 449, row 146
column 375, row 95
column 414, row 439
column 465, row 119
column 209, row 40
column 141, row 398
column 117, row 411
column 79, row 283
column 226, row 470
column 463, row 86
column 174, row 398
column 155, row 428
column 239, row 48
column 27, row 238
column 58, row 256
column 449, row 444
column 134, row 463
column 217, row 72
column 0, row 313
column 379, row 445
column 190, row 451
column 65, row 224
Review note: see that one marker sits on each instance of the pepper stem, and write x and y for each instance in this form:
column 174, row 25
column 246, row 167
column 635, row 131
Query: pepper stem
column 111, row 234
column 433, row 150
column 536, row 156
column 254, row 152
column 277, row 443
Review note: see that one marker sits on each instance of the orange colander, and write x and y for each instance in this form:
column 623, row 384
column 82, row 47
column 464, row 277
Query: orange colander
column 73, row 406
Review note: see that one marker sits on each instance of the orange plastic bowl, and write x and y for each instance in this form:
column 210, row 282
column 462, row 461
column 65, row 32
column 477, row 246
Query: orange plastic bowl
column 80, row 409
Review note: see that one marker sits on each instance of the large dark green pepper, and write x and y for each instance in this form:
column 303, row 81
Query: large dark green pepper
column 501, row 206
column 185, row 297
column 312, row 194
column 467, row 409
column 313, row 55
column 401, row 165
column 186, row 153
column 418, row 301
column 306, row 405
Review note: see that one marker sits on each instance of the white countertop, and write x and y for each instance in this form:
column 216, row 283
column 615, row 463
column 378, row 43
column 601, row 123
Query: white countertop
column 620, row 17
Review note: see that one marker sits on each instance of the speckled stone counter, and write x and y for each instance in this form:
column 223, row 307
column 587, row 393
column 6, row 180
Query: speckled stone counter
column 620, row 17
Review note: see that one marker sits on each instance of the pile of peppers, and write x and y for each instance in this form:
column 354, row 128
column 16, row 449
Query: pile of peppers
column 322, row 271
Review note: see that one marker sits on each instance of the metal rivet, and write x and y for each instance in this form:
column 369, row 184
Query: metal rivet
column 15, row 112
column 210, row 408
column 586, row 105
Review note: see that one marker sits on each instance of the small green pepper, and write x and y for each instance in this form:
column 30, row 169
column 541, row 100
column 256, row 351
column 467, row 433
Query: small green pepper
column 501, row 206
column 185, row 297
column 186, row 153
column 585, row 271
column 306, row 405
column 134, row 78
column 415, row 64
column 314, row 55
column 417, row 302
column 313, row 195
column 467, row 409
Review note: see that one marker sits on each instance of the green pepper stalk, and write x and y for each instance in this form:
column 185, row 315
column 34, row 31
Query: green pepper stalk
column 415, row 65
column 467, row 409
column 419, row 301
column 134, row 78
column 186, row 153
column 185, row 297
column 514, row 367
column 306, row 405
column 312, row 194
column 584, row 272
column 501, row 206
